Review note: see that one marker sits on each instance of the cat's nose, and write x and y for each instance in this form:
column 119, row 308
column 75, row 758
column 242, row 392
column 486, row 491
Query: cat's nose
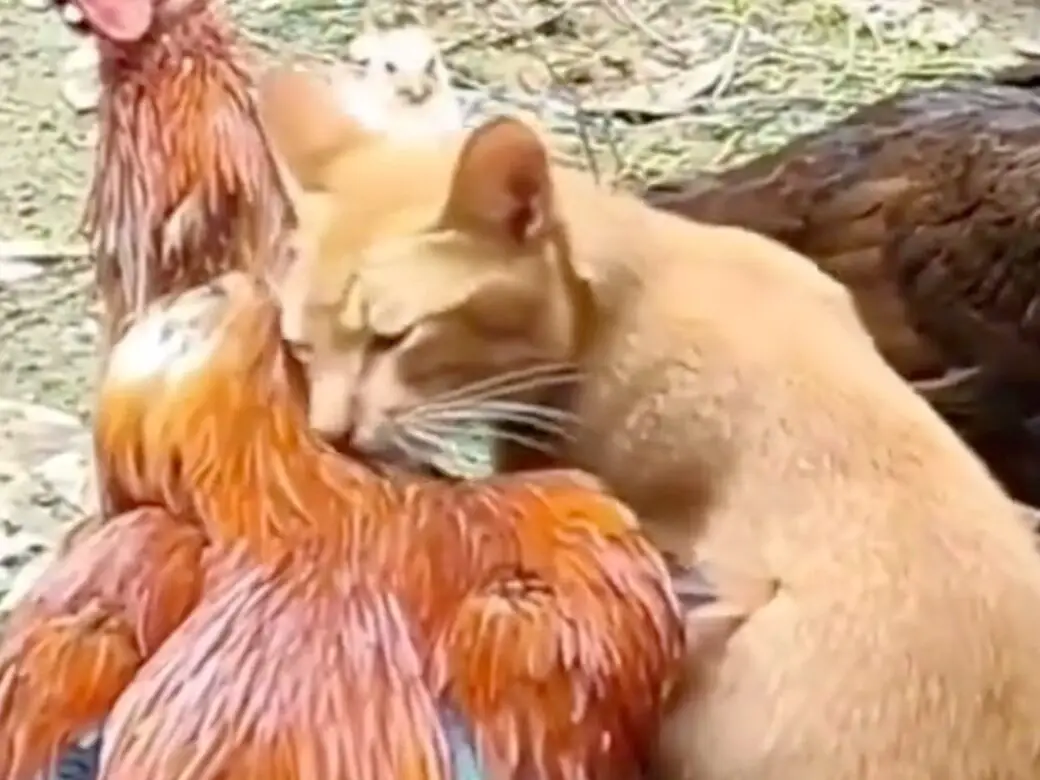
column 331, row 402
column 331, row 423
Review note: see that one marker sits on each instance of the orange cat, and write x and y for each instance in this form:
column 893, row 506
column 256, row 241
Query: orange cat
column 887, row 592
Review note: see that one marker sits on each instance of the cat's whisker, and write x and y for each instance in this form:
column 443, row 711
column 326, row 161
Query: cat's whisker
column 511, row 382
column 546, row 447
column 493, row 409
column 434, row 430
column 450, row 431
column 418, row 446
column 520, row 408
column 462, row 417
column 498, row 395
column 522, row 385
column 487, row 406
column 502, row 378
column 428, row 448
column 493, row 412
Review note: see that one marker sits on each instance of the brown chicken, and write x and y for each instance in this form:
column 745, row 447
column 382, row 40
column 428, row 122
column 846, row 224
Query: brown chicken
column 925, row 205
column 184, row 186
column 262, row 607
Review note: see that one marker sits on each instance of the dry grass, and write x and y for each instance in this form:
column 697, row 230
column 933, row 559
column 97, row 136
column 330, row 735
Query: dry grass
column 657, row 91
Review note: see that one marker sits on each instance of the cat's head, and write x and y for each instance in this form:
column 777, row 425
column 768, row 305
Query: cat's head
column 423, row 268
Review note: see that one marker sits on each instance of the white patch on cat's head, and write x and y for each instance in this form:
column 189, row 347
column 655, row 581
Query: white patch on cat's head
column 172, row 339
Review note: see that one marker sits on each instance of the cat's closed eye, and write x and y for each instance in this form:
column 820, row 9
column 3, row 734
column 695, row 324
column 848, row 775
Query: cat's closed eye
column 391, row 67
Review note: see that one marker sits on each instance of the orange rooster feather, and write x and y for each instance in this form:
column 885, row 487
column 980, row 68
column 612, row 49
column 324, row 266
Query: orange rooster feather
column 184, row 187
column 264, row 608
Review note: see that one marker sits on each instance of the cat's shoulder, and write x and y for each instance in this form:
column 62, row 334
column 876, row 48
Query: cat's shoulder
column 681, row 262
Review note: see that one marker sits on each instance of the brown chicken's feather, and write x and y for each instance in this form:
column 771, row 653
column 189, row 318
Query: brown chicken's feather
column 973, row 290
column 532, row 601
column 76, row 641
column 184, row 184
column 301, row 681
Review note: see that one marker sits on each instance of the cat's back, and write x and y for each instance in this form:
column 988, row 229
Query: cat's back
column 749, row 369
column 691, row 351
column 709, row 293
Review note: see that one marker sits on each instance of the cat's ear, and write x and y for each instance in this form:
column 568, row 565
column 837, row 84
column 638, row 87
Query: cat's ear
column 305, row 125
column 503, row 182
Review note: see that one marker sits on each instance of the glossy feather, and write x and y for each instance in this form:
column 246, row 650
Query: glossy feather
column 286, row 670
column 567, row 642
column 302, row 614
column 535, row 608
column 75, row 642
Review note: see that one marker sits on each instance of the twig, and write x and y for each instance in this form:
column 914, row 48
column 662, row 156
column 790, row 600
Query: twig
column 511, row 33
column 725, row 152
column 731, row 57
column 581, row 117
column 623, row 10
column 41, row 252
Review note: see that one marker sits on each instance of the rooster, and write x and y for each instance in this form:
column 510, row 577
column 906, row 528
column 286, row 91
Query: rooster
column 262, row 607
column 184, row 186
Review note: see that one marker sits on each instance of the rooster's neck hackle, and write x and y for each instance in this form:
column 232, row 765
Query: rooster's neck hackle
column 184, row 184
column 257, row 471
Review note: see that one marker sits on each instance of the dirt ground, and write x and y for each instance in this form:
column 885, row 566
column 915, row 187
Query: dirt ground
column 592, row 47
column 659, row 92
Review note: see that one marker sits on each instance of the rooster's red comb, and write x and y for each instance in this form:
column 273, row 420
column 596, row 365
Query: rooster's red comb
column 120, row 20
